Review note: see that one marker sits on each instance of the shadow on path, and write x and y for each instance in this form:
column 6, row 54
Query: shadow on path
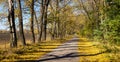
column 69, row 50
column 70, row 55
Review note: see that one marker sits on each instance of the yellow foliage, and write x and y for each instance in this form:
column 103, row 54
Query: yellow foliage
column 30, row 52
column 91, row 53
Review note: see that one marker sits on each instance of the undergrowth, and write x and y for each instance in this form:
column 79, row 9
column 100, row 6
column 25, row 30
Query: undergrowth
column 94, row 51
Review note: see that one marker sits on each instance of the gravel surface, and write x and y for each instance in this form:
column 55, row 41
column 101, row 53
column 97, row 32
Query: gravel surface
column 67, row 52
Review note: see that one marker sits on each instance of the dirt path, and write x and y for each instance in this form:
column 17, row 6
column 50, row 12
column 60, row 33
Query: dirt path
column 68, row 52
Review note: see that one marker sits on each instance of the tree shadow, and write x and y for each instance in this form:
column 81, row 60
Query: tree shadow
column 55, row 57
column 69, row 55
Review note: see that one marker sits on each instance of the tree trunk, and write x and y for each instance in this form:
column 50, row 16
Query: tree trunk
column 11, row 19
column 37, row 22
column 32, row 21
column 41, row 25
column 58, row 21
column 22, row 37
column 45, row 23
column 45, row 18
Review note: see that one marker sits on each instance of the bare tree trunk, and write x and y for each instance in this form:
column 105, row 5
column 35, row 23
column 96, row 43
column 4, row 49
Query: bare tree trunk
column 37, row 22
column 41, row 25
column 54, row 30
column 45, row 18
column 11, row 19
column 32, row 21
column 45, row 23
column 58, row 21
column 22, row 37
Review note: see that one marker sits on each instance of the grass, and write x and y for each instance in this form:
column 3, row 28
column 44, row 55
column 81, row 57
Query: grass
column 95, row 52
column 29, row 52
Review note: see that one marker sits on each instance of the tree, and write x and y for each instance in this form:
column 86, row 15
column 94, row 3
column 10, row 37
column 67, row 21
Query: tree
column 11, row 20
column 43, row 27
column 22, row 37
column 32, row 20
column 41, row 20
column 46, row 3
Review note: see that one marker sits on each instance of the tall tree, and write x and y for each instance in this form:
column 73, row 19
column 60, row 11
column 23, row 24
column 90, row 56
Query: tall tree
column 41, row 20
column 32, row 20
column 44, row 8
column 22, row 37
column 57, row 14
column 11, row 19
column 46, row 3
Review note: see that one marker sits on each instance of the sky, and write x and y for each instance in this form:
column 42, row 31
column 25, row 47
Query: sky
column 26, row 17
column 3, row 10
column 2, row 23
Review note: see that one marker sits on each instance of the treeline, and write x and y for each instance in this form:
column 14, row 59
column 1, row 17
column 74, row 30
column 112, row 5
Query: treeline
column 46, row 17
column 103, row 20
column 96, row 19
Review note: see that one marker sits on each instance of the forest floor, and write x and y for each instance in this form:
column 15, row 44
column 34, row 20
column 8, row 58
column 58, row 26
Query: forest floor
column 94, row 51
column 74, row 50
column 29, row 53
column 80, row 50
